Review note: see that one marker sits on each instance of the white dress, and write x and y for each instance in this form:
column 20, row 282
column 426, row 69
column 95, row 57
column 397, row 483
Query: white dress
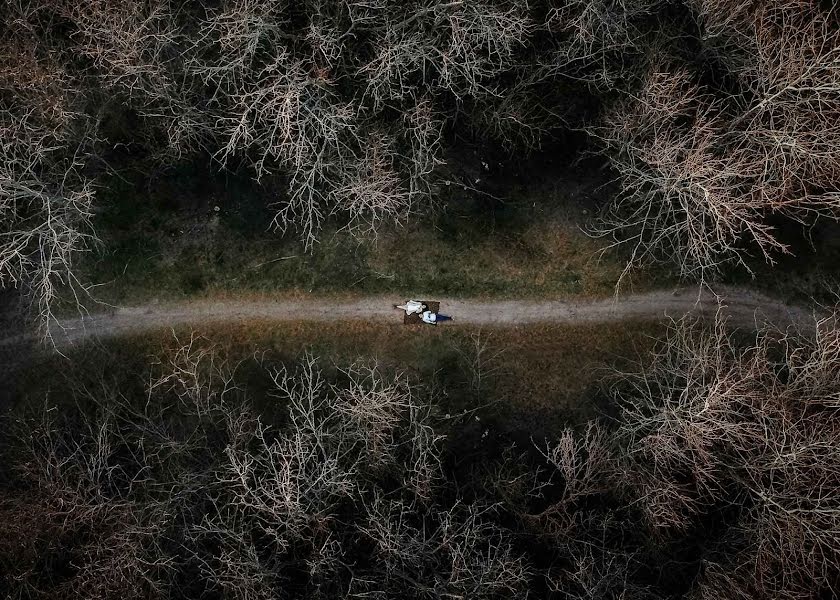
column 429, row 317
column 412, row 306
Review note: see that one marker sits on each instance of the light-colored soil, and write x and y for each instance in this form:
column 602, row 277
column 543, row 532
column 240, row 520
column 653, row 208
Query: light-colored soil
column 742, row 307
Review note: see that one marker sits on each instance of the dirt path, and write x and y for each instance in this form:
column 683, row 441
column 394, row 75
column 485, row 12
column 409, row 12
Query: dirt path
column 742, row 307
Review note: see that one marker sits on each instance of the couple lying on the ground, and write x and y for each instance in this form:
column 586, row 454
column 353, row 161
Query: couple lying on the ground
column 415, row 306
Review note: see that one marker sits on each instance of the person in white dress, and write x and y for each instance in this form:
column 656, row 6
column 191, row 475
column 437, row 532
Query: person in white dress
column 412, row 306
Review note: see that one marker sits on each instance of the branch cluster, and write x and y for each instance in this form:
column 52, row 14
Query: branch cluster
column 703, row 172
column 712, row 425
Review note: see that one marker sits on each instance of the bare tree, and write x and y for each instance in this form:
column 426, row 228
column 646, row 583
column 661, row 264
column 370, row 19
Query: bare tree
column 236, row 568
column 461, row 46
column 598, row 43
column 128, row 41
column 46, row 202
column 87, row 486
column 480, row 359
column 346, row 102
column 230, row 38
column 194, row 371
column 372, row 190
column 482, row 43
column 457, row 553
column 710, row 424
column 295, row 120
column 299, row 477
column 701, row 176
column 689, row 198
column 423, row 133
column 585, row 467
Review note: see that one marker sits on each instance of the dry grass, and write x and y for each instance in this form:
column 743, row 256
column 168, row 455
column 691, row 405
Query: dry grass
column 530, row 244
column 542, row 259
column 534, row 378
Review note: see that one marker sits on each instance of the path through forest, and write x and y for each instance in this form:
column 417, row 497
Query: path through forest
column 741, row 306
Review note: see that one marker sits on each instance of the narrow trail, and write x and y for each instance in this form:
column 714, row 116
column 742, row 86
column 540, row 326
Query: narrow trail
column 742, row 307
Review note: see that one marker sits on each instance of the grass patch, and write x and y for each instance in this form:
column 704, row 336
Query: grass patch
column 534, row 379
column 193, row 234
